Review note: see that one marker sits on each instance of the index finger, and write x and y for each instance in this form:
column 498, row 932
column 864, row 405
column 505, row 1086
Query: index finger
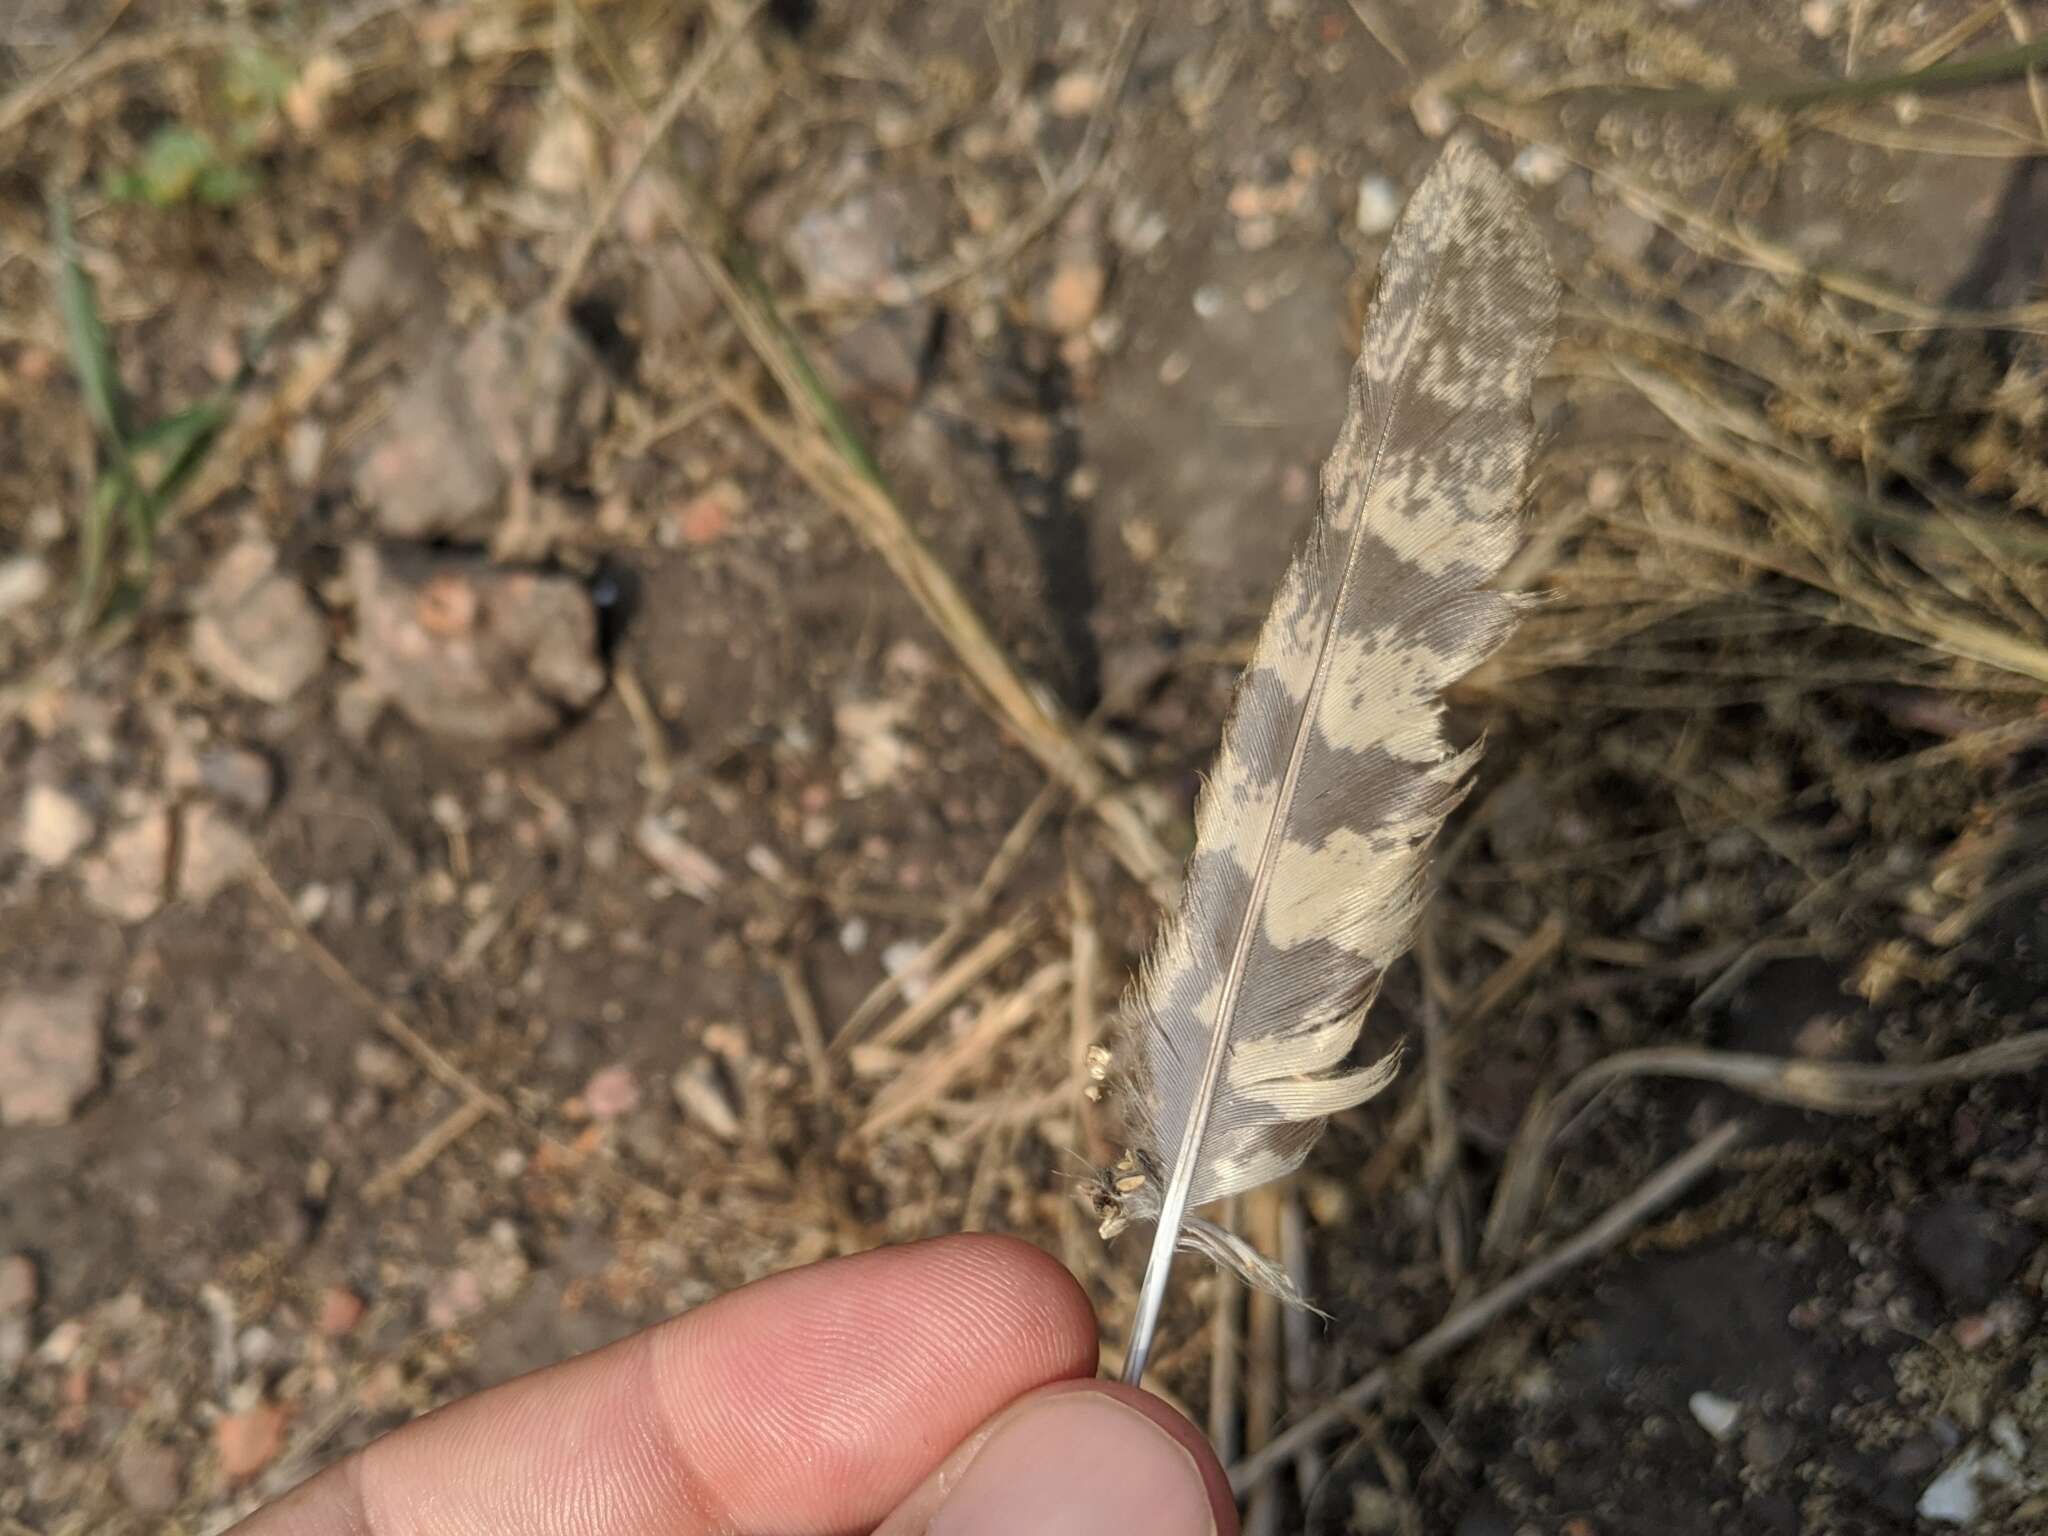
column 812, row 1402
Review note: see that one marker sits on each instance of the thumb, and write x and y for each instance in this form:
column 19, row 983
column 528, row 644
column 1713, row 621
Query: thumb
column 1085, row 1458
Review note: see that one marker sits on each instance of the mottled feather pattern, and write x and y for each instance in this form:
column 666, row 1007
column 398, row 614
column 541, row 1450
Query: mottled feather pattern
column 1312, row 834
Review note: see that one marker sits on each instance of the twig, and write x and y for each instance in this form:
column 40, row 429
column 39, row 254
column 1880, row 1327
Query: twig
column 656, row 775
column 1465, row 1322
column 1534, row 952
column 654, row 132
column 1226, row 1351
column 997, row 1022
column 1831, row 1088
column 1084, row 1017
column 996, row 946
column 1009, row 854
column 1262, row 1349
column 803, row 1012
column 416, row 1159
column 1300, row 1326
column 1990, row 68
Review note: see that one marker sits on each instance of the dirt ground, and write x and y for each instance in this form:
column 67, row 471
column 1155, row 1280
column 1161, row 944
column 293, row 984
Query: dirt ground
column 446, row 875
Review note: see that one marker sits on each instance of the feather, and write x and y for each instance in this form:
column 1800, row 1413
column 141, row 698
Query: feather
column 1312, row 835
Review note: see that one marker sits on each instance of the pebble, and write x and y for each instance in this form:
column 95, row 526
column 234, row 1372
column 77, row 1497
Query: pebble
column 885, row 356
column 1716, row 1415
column 469, row 651
column 563, row 161
column 612, row 1093
column 340, row 1310
column 1379, row 205
column 708, row 516
column 512, row 396
column 54, row 826
column 128, row 877
column 457, row 1296
column 382, row 1066
column 851, row 249
column 148, row 1476
column 19, row 1285
column 1622, row 234
column 1074, row 94
column 248, row 1442
column 24, row 582
column 694, row 871
column 239, row 777
column 213, row 854
column 1074, row 295
column 703, row 1099
column 256, row 630
column 387, row 279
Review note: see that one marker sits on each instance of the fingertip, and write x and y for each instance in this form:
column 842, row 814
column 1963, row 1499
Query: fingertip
column 1026, row 1271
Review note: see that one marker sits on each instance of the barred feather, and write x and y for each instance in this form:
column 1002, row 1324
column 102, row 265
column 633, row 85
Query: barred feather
column 1313, row 833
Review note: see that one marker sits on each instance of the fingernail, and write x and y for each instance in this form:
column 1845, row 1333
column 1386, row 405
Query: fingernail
column 1081, row 1464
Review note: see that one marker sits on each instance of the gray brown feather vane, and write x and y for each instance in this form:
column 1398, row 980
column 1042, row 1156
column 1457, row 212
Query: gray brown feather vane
column 1313, row 833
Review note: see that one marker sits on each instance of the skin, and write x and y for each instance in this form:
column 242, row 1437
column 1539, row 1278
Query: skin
column 812, row 1403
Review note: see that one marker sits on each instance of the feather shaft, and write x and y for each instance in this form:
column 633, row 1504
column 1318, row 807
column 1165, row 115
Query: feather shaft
column 1335, row 775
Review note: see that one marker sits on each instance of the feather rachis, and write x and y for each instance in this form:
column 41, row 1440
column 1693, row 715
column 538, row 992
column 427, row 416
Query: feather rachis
column 1335, row 773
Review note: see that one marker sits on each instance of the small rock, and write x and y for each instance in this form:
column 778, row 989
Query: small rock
column 876, row 751
column 694, row 871
column 1821, row 17
column 1605, row 487
column 54, row 825
column 457, row 1296
column 248, row 1442
column 256, row 629
column 852, row 248
column 389, row 279
column 308, row 98
column 24, row 582
column 128, row 877
column 1379, row 205
column 900, row 960
column 469, row 651
column 702, row 1097
column 510, row 398
column 305, row 452
column 430, row 473
column 382, row 1066
column 564, row 160
column 1968, row 1251
column 708, row 516
column 148, row 1476
column 1073, row 297
column 19, row 1286
column 538, row 392
column 213, row 854
column 49, row 1053
column 1716, row 1415
column 1074, row 94
column 1974, row 1332
column 885, row 356
column 340, row 1310
column 612, row 1093
column 239, row 777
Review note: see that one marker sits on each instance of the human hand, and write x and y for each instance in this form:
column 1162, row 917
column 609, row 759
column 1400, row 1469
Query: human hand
column 943, row 1387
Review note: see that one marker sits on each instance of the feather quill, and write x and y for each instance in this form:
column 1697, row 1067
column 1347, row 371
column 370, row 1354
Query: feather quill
column 1313, row 833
